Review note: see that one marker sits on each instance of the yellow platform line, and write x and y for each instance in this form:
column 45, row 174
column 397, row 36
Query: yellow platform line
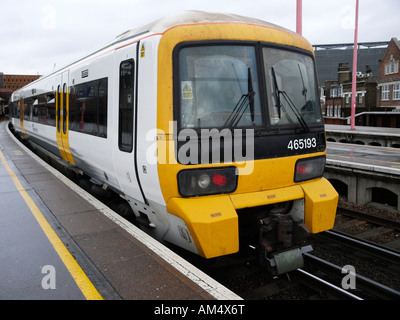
column 83, row 282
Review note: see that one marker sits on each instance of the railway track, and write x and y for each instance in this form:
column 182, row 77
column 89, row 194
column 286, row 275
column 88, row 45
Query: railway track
column 371, row 250
column 323, row 274
column 382, row 229
column 377, row 270
column 364, row 287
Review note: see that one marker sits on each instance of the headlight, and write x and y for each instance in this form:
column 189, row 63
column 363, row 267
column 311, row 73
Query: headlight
column 309, row 168
column 204, row 181
column 200, row 182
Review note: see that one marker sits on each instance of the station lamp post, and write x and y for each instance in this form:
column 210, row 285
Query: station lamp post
column 299, row 17
column 354, row 81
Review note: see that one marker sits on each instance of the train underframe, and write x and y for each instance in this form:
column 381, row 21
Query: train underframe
column 274, row 235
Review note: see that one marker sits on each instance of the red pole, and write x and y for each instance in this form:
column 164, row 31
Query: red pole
column 354, row 84
column 299, row 17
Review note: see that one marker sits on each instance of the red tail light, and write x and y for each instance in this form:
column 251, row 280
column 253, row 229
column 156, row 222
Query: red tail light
column 309, row 168
column 220, row 180
column 301, row 169
column 198, row 182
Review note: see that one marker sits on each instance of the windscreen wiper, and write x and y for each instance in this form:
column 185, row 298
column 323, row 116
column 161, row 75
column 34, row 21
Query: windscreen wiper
column 304, row 92
column 250, row 91
column 244, row 101
column 278, row 93
column 296, row 112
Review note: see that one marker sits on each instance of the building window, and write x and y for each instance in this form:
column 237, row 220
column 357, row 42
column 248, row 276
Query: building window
column 337, row 111
column 392, row 67
column 340, row 91
column 330, row 111
column 396, row 92
column 385, row 93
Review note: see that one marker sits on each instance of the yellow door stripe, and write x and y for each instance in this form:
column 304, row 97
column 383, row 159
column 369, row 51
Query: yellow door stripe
column 63, row 138
column 59, row 122
column 22, row 115
column 83, row 282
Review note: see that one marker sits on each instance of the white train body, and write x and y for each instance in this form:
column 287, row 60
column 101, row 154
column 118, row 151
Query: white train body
column 100, row 157
column 114, row 115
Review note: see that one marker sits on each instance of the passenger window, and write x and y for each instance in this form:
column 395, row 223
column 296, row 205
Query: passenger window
column 126, row 90
column 88, row 107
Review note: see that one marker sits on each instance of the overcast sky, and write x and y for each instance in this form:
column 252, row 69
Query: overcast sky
column 37, row 34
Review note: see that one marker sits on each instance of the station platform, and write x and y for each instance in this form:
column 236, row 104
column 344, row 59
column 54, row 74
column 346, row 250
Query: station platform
column 370, row 158
column 58, row 242
column 363, row 129
column 372, row 136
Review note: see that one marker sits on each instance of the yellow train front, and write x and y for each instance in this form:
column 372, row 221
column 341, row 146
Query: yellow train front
column 241, row 144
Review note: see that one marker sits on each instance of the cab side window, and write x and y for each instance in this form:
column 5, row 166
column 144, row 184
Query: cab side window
column 126, row 90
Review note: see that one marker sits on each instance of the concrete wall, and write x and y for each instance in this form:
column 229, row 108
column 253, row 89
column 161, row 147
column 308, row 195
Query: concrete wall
column 365, row 183
column 367, row 138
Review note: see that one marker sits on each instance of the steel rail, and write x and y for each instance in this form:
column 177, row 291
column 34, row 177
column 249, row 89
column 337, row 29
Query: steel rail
column 363, row 283
column 318, row 283
column 389, row 223
column 364, row 245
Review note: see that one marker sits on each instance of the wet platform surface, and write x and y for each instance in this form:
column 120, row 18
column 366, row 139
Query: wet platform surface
column 30, row 266
column 113, row 259
column 374, row 157
column 362, row 129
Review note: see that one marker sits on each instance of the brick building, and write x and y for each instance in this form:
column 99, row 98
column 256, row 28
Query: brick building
column 11, row 82
column 388, row 89
column 389, row 77
column 338, row 95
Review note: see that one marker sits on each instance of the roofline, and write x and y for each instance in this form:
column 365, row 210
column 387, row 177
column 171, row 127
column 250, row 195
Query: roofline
column 162, row 25
column 343, row 45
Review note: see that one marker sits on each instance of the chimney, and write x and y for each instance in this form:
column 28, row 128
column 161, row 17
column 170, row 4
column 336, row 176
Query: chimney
column 344, row 73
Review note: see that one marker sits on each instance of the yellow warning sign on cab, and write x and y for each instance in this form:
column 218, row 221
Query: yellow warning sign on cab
column 142, row 51
column 187, row 91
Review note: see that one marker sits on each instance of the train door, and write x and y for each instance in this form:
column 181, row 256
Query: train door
column 22, row 115
column 124, row 140
column 62, row 116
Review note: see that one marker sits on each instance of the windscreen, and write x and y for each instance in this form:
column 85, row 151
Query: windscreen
column 246, row 86
column 219, row 87
column 291, row 83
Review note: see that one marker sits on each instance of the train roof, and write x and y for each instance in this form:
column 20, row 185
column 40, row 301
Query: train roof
column 163, row 24
column 193, row 17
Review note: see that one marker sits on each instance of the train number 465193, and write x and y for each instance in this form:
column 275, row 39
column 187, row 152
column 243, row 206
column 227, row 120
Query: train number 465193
column 299, row 144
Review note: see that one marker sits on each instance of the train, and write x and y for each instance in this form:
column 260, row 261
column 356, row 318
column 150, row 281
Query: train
column 208, row 125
